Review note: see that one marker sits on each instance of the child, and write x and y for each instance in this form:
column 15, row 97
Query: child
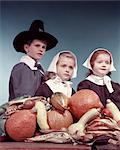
column 27, row 75
column 100, row 65
column 62, row 69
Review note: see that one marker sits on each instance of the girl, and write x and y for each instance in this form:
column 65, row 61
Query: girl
column 64, row 68
column 100, row 65
column 27, row 74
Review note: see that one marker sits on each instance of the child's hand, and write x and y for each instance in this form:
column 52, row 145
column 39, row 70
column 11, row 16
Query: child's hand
column 10, row 110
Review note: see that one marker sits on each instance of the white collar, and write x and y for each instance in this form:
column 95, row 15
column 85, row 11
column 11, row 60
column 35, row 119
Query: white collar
column 57, row 85
column 57, row 79
column 29, row 62
column 106, row 80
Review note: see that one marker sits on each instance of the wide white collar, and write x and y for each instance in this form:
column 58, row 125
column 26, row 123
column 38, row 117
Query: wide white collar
column 29, row 62
column 57, row 85
column 106, row 80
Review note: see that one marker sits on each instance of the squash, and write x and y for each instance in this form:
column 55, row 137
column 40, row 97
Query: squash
column 58, row 120
column 82, row 101
column 59, row 101
column 114, row 110
column 41, row 115
column 21, row 125
column 79, row 127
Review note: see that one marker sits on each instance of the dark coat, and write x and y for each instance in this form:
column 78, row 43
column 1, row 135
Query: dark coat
column 24, row 81
column 45, row 91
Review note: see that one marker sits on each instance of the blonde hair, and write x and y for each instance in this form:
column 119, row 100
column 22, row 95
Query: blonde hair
column 67, row 55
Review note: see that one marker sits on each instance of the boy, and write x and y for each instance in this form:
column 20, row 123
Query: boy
column 27, row 75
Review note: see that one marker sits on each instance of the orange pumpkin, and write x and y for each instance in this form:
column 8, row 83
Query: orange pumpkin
column 82, row 101
column 57, row 120
column 21, row 125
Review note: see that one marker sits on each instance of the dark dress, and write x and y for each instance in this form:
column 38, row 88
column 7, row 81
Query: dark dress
column 102, row 91
column 45, row 91
column 24, row 81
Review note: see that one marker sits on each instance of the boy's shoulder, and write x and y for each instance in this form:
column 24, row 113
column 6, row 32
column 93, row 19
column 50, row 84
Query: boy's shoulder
column 19, row 66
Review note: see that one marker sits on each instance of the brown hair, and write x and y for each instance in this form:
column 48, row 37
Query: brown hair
column 49, row 75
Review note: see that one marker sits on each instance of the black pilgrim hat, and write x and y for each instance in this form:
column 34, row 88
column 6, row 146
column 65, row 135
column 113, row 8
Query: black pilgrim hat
column 36, row 31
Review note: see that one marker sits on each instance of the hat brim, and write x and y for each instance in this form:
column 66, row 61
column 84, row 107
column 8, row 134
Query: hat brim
column 25, row 36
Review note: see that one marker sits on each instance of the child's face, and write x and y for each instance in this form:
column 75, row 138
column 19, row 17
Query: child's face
column 36, row 49
column 65, row 68
column 102, row 65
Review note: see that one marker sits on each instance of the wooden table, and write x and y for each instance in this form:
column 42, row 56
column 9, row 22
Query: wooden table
column 51, row 146
column 40, row 146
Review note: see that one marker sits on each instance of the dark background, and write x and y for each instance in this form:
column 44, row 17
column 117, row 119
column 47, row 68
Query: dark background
column 80, row 26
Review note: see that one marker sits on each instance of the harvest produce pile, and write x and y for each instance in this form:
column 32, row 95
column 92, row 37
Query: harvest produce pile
column 81, row 119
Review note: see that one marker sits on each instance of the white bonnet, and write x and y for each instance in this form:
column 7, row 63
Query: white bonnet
column 87, row 62
column 52, row 66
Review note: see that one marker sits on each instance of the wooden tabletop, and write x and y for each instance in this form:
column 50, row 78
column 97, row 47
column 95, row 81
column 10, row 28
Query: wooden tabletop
column 51, row 146
column 40, row 146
